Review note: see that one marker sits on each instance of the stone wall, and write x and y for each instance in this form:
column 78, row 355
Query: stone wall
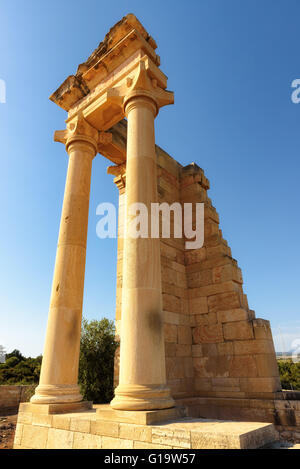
column 214, row 345
column 11, row 396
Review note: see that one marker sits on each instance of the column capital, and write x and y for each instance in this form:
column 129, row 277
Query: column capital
column 144, row 89
column 79, row 130
column 119, row 171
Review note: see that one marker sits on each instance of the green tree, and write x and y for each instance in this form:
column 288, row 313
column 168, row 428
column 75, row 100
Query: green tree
column 289, row 374
column 15, row 353
column 96, row 363
column 20, row 370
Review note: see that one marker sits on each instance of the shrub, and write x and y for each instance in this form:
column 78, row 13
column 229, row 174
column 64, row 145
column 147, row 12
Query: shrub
column 20, row 370
column 289, row 374
column 96, row 363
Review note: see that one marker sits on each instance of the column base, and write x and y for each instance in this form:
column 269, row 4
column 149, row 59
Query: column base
column 139, row 417
column 56, row 394
column 49, row 409
column 142, row 397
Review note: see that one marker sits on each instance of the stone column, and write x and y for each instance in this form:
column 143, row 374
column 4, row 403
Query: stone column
column 59, row 373
column 142, row 384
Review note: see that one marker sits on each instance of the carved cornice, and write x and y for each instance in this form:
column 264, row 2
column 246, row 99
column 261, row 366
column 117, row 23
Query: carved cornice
column 123, row 39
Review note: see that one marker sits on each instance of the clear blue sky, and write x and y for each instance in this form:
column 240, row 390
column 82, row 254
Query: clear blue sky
column 230, row 64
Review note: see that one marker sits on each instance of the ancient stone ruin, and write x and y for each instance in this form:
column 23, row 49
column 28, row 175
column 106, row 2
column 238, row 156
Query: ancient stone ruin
column 190, row 344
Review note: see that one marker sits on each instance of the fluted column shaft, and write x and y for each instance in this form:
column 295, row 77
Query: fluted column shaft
column 142, row 383
column 59, row 373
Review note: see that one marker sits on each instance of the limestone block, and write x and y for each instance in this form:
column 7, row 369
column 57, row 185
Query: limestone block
column 25, row 417
column 172, row 437
column 227, row 272
column 208, row 334
column 171, row 318
column 184, row 335
column 200, row 279
column 105, row 428
column 171, row 303
column 203, row 384
column 239, row 330
column 211, row 228
column 61, row 422
column 86, row 441
column 197, row 350
column 262, row 329
column 116, row 443
column 18, row 434
column 185, row 320
column 212, row 367
column 263, row 385
column 135, row 432
column 170, row 349
column 205, row 319
column 178, row 267
column 59, row 439
column 211, row 263
column 225, row 348
column 234, row 435
column 193, row 256
column 233, row 315
column 249, row 347
column 170, row 333
column 169, row 275
column 34, row 437
column 214, row 251
column 225, row 382
column 184, row 310
column 215, row 289
column 80, row 425
column 198, row 305
column 224, row 301
column 175, row 368
column 243, row 366
column 188, row 367
column 42, row 420
column 144, row 445
column 266, row 365
column 209, row 350
column 183, row 350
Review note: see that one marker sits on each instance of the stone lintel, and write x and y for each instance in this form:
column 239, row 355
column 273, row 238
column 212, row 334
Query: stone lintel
column 115, row 150
column 49, row 409
column 139, row 417
column 123, row 39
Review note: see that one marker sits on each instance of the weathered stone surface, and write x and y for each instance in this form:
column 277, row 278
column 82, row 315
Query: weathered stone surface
column 232, row 315
column 224, row 301
column 59, row 439
column 210, row 367
column 34, row 437
column 184, row 335
column 170, row 332
column 208, row 333
column 239, row 330
column 243, row 366
column 135, row 432
column 86, row 441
